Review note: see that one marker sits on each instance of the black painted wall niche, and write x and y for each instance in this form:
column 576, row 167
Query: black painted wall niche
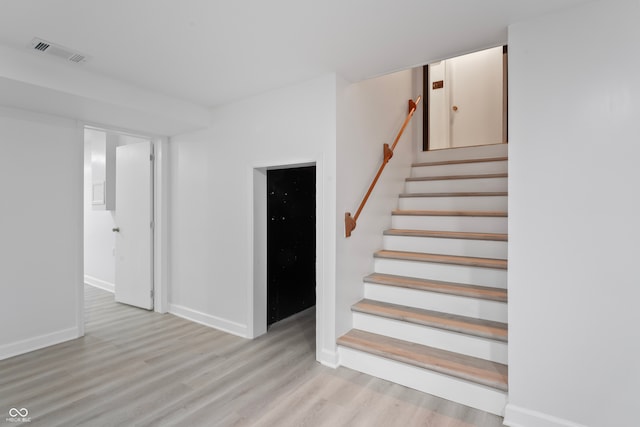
column 291, row 241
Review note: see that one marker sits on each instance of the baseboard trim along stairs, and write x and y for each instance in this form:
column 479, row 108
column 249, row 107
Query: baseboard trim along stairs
column 434, row 312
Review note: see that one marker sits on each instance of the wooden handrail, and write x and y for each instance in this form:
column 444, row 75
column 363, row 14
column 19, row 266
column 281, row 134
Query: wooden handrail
column 350, row 221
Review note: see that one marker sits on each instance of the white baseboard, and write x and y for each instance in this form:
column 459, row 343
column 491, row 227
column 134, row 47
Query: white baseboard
column 328, row 358
column 97, row 283
column 36, row 343
column 209, row 320
column 516, row 416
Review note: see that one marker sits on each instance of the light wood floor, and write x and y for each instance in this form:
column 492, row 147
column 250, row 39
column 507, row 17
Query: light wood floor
column 139, row 368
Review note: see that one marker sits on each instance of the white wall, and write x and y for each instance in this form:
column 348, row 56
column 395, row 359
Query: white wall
column 41, row 243
column 213, row 173
column 99, row 240
column 574, row 217
column 370, row 114
column 211, row 185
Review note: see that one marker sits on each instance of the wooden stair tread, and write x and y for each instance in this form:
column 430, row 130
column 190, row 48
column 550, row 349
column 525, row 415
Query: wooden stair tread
column 501, row 237
column 450, row 177
column 443, row 259
column 457, row 162
column 468, row 368
column 459, row 289
column 458, row 194
column 450, row 322
column 413, row 212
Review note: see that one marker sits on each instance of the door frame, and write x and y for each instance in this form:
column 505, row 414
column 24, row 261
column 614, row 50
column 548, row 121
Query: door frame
column 505, row 99
column 257, row 310
column 160, row 218
column 425, row 107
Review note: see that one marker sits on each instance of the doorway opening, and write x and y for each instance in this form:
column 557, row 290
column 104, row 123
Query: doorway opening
column 466, row 100
column 123, row 216
column 291, row 241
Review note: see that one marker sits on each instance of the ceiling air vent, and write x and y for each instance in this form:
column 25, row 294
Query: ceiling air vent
column 57, row 50
column 76, row 57
column 42, row 46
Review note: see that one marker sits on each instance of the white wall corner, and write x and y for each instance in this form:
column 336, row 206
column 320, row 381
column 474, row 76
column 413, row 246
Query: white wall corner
column 515, row 416
column 98, row 283
column 79, row 248
column 209, row 320
column 36, row 343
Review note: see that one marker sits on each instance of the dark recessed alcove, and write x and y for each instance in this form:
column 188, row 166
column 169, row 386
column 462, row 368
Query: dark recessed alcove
column 291, row 241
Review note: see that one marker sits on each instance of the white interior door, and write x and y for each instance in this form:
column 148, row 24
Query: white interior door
column 476, row 91
column 134, row 225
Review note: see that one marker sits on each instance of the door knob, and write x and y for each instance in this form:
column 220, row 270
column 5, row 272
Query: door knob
column 116, row 230
column 454, row 108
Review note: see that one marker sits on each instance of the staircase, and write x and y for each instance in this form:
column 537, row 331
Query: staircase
column 434, row 312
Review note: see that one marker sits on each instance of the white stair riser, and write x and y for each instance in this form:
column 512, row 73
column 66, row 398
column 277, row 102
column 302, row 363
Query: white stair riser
column 460, row 247
column 465, row 203
column 453, row 304
column 495, row 351
column 463, row 153
column 455, row 185
column 481, row 276
column 450, row 388
column 450, row 223
column 460, row 169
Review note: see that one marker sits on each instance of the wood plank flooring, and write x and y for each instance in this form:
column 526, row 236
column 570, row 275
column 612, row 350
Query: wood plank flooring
column 499, row 237
column 457, row 194
column 414, row 212
column 146, row 369
column 458, row 365
column 450, row 177
column 450, row 322
column 500, row 264
column 460, row 289
column 457, row 162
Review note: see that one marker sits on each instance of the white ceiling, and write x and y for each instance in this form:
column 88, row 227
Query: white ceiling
column 211, row 52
